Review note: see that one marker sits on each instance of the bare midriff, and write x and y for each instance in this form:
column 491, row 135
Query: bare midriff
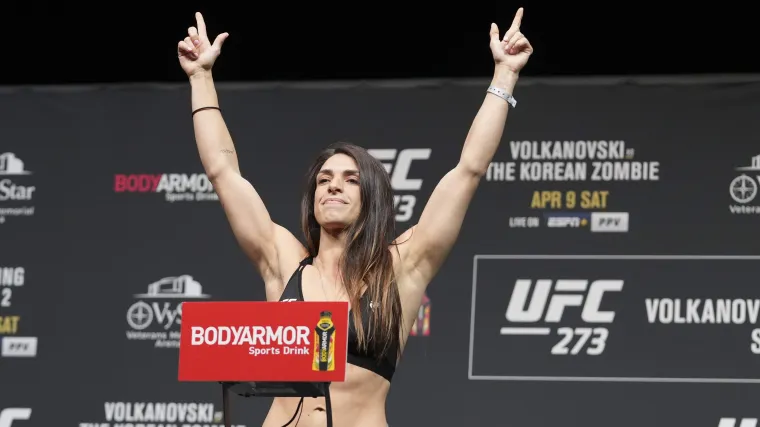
column 360, row 400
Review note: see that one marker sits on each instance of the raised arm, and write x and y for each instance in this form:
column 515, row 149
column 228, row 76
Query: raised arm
column 440, row 221
column 273, row 250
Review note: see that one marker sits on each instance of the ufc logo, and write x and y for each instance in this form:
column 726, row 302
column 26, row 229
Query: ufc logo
column 400, row 180
column 8, row 416
column 731, row 422
column 579, row 294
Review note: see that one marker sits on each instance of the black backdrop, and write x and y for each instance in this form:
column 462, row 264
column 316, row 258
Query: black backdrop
column 672, row 339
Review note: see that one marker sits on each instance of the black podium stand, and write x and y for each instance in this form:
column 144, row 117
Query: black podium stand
column 276, row 389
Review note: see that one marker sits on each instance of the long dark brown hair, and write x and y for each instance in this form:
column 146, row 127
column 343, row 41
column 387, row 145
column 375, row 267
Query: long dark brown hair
column 367, row 260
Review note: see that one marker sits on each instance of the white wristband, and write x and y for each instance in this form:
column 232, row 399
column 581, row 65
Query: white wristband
column 503, row 95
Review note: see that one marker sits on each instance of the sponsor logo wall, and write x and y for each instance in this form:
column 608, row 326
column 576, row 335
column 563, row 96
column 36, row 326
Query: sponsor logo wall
column 610, row 254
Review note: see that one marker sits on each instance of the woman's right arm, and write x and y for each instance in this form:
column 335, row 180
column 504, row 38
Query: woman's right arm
column 274, row 250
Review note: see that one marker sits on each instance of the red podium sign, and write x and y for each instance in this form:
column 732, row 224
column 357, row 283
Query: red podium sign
column 263, row 341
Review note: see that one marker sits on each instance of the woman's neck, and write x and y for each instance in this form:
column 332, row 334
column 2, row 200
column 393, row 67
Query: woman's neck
column 332, row 246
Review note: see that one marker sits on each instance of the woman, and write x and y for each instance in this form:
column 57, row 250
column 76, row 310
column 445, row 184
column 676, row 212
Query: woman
column 351, row 253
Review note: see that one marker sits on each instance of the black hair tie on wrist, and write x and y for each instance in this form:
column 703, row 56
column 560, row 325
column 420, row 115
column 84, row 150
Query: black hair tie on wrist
column 207, row 108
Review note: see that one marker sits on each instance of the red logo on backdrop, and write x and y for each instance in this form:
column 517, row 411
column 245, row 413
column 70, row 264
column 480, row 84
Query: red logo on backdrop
column 263, row 341
column 136, row 183
column 176, row 187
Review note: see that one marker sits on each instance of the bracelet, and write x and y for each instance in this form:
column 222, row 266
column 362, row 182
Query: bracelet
column 503, row 95
column 206, row 108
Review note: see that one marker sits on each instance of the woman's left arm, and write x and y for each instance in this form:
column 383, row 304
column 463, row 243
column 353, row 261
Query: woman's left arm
column 441, row 220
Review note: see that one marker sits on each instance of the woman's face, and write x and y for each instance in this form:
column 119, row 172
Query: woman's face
column 337, row 199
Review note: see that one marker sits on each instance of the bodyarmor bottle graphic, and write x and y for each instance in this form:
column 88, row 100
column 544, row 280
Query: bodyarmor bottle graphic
column 421, row 325
column 324, row 343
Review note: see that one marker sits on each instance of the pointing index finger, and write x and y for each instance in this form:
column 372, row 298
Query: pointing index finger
column 201, row 25
column 518, row 18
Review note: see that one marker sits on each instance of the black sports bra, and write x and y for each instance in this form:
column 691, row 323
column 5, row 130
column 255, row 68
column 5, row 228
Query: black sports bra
column 356, row 356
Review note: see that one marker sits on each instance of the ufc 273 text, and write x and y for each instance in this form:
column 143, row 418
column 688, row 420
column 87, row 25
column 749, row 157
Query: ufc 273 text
column 547, row 308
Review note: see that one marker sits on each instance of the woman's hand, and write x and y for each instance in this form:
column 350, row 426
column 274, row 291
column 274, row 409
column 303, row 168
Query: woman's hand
column 514, row 49
column 196, row 52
